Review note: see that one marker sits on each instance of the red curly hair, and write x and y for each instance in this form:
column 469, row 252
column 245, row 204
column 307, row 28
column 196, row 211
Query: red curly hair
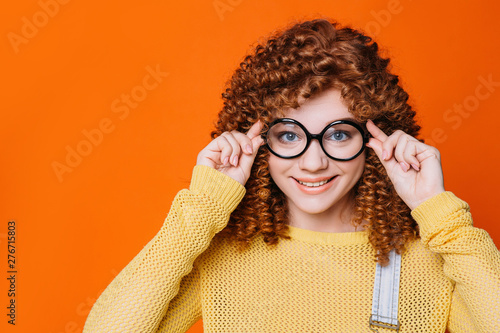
column 299, row 63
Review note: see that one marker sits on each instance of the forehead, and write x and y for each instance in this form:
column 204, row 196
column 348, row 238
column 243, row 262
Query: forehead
column 320, row 110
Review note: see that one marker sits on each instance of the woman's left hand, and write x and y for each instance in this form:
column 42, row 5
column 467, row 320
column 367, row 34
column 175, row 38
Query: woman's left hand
column 413, row 167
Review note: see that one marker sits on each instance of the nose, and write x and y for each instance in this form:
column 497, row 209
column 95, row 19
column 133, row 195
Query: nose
column 314, row 158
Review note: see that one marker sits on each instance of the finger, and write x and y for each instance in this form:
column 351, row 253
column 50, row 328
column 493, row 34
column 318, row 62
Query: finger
column 225, row 149
column 244, row 141
column 377, row 146
column 427, row 152
column 236, row 149
column 410, row 154
column 255, row 129
column 401, row 147
column 376, row 132
column 391, row 143
column 256, row 143
column 246, row 161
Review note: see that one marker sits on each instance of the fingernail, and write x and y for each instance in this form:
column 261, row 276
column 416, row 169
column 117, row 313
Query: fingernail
column 404, row 166
column 249, row 149
column 226, row 160
column 384, row 155
column 235, row 160
column 415, row 166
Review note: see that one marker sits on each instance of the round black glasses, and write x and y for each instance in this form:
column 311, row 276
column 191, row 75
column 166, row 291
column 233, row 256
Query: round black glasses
column 341, row 140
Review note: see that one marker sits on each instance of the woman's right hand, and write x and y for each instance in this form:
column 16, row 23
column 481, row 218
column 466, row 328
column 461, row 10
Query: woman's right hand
column 233, row 153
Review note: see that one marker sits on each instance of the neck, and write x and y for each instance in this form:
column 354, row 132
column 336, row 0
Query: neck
column 336, row 219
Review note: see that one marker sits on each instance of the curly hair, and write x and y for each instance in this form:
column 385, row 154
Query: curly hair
column 296, row 64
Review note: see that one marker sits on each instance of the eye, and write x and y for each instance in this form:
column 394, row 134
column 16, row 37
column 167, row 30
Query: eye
column 288, row 137
column 339, row 136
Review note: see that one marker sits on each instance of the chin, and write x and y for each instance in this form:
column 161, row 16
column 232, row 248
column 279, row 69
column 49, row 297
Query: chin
column 313, row 208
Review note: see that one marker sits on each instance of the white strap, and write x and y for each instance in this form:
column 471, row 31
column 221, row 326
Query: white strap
column 386, row 294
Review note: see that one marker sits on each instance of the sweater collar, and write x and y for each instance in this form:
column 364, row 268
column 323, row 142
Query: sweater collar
column 329, row 238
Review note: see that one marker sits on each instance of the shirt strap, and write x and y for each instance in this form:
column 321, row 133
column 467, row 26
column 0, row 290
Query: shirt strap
column 386, row 294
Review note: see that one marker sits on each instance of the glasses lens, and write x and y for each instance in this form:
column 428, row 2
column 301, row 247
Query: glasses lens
column 286, row 139
column 342, row 141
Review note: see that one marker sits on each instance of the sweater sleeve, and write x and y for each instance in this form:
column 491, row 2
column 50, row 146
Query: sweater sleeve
column 151, row 289
column 471, row 261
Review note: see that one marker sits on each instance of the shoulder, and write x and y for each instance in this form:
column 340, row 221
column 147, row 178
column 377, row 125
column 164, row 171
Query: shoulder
column 221, row 249
column 415, row 249
column 419, row 260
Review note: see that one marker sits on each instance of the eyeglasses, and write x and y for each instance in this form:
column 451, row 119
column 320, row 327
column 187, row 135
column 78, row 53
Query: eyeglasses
column 341, row 140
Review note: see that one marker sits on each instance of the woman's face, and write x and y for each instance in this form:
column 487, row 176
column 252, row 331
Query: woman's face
column 295, row 176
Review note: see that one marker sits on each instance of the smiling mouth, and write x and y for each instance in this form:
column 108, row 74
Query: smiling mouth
column 315, row 184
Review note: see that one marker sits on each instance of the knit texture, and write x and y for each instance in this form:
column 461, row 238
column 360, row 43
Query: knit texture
column 315, row 282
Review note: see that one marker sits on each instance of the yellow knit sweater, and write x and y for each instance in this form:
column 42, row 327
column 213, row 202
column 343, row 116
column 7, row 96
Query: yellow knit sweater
column 315, row 282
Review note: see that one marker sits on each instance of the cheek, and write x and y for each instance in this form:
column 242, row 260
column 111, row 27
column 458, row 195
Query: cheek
column 356, row 167
column 278, row 170
column 276, row 166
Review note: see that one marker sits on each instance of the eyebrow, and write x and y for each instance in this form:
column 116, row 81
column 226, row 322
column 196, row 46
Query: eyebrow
column 331, row 121
column 350, row 119
column 361, row 124
column 347, row 118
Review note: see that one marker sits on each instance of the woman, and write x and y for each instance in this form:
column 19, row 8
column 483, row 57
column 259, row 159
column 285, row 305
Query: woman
column 313, row 209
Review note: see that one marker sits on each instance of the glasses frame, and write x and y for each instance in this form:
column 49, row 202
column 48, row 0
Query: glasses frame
column 365, row 135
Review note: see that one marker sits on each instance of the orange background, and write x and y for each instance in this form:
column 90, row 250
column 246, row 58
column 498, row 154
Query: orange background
column 68, row 73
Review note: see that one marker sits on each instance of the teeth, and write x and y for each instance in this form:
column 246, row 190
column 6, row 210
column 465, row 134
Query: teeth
column 314, row 184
